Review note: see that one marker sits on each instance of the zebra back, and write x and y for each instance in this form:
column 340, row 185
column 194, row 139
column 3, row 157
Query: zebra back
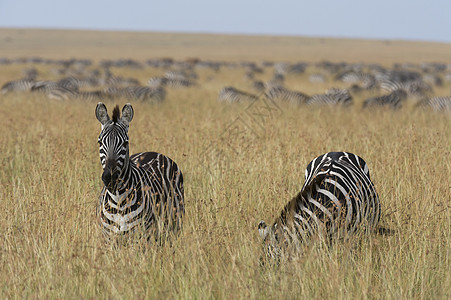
column 338, row 198
column 436, row 103
column 231, row 94
column 283, row 94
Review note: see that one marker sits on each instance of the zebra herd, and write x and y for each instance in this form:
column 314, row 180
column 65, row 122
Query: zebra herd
column 144, row 194
column 388, row 87
column 392, row 88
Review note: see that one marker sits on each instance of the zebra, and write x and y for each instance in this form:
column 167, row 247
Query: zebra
column 417, row 88
column 231, row 94
column 436, row 103
column 20, row 85
column 184, row 75
column 142, row 93
column 365, row 81
column 75, row 83
column 44, row 86
column 61, row 93
column 333, row 96
column 337, row 200
column 143, row 191
column 284, row 94
column 170, row 82
column 393, row 100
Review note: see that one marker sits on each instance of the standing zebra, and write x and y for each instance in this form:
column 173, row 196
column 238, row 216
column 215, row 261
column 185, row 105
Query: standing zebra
column 143, row 191
column 337, row 198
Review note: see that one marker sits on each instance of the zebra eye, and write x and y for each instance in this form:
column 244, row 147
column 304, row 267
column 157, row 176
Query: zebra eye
column 125, row 143
column 99, row 142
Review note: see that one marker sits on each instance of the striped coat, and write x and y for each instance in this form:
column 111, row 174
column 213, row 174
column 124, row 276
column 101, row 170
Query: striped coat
column 143, row 192
column 337, row 199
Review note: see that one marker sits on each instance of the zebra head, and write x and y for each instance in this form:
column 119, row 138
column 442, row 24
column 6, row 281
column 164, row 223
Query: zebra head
column 270, row 241
column 113, row 144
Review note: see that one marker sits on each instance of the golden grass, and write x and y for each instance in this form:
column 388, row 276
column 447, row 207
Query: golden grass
column 51, row 246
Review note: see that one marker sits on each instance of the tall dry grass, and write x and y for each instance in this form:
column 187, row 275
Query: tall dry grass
column 51, row 246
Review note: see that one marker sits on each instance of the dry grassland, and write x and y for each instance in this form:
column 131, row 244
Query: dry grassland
column 51, row 246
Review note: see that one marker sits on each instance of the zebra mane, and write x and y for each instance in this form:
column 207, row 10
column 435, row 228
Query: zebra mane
column 116, row 114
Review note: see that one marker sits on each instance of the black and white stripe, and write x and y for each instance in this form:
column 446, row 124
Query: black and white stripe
column 155, row 82
column 141, row 192
column 20, row 85
column 279, row 93
column 332, row 96
column 231, row 94
column 394, row 100
column 442, row 104
column 337, row 199
column 133, row 93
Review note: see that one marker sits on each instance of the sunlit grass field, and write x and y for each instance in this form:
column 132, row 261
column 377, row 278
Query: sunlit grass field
column 238, row 169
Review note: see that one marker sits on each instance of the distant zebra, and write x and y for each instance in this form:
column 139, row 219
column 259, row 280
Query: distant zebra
column 143, row 192
column 183, row 75
column 332, row 96
column 44, row 86
column 442, row 104
column 394, row 100
column 169, row 82
column 365, row 81
column 279, row 93
column 76, row 83
column 417, row 88
column 336, row 200
column 133, row 93
column 60, row 93
column 21, row 85
column 231, row 94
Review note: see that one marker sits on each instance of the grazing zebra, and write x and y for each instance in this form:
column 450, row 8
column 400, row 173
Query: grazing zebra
column 336, row 200
column 44, row 86
column 436, row 103
column 365, row 81
column 142, row 93
column 21, row 85
column 184, row 75
column 169, row 82
column 332, row 96
column 417, row 88
column 75, row 83
column 141, row 192
column 60, row 93
column 393, row 100
column 231, row 94
column 280, row 93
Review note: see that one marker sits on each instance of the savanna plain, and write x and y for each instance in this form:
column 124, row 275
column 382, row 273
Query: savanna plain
column 237, row 171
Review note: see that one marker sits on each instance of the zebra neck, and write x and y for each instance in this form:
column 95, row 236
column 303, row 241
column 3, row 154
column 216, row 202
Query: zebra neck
column 118, row 198
column 124, row 181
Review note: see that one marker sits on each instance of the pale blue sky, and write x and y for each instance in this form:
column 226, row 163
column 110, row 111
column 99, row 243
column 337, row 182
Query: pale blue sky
column 428, row 20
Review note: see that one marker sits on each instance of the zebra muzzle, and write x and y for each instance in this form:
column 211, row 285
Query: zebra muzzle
column 110, row 177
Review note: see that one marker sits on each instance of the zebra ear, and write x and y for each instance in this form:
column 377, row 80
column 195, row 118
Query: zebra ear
column 127, row 113
column 101, row 113
column 262, row 229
